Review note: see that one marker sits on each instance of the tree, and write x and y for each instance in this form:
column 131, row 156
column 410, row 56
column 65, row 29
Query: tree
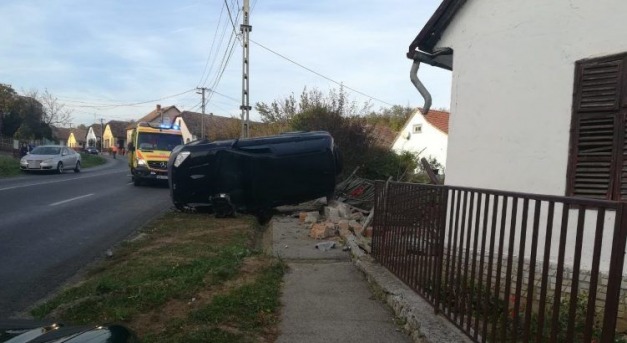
column 30, row 114
column 282, row 111
column 334, row 113
column 394, row 117
column 381, row 163
column 7, row 103
column 55, row 113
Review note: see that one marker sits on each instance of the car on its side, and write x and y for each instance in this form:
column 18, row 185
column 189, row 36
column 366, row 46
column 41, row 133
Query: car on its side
column 91, row 150
column 254, row 175
column 51, row 158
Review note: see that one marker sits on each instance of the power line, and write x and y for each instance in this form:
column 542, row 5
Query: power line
column 136, row 103
column 225, row 96
column 211, row 48
column 228, row 9
column 204, row 83
column 322, row 76
column 225, row 59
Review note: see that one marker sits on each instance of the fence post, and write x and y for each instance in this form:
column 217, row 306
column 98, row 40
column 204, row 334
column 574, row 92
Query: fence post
column 441, row 230
column 615, row 276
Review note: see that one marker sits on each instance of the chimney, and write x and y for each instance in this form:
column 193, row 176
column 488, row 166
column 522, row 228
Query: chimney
column 158, row 107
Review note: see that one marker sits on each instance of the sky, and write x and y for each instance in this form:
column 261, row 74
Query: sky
column 116, row 60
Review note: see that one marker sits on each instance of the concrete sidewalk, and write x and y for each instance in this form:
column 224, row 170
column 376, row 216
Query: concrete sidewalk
column 325, row 297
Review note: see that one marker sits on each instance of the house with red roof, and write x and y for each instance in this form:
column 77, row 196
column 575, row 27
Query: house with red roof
column 425, row 135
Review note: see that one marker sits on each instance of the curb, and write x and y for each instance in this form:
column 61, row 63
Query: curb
column 420, row 321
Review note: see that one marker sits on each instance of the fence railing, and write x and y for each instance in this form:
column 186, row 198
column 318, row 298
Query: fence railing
column 505, row 266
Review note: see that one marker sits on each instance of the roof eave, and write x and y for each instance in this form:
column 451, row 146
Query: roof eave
column 437, row 24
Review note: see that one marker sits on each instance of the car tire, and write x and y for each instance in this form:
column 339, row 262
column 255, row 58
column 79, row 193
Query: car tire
column 181, row 207
column 60, row 168
column 136, row 181
column 77, row 169
column 264, row 216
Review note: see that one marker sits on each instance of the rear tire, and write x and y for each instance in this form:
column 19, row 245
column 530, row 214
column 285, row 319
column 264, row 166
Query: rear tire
column 77, row 169
column 60, row 168
column 264, row 216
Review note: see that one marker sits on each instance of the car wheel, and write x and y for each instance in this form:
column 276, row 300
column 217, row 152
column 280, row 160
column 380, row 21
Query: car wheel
column 264, row 216
column 60, row 168
column 137, row 181
column 182, row 207
column 77, row 169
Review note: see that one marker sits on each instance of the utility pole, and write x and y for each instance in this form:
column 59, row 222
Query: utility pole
column 245, row 107
column 102, row 135
column 202, row 118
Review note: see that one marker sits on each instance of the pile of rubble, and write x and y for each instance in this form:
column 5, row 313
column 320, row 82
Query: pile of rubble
column 340, row 222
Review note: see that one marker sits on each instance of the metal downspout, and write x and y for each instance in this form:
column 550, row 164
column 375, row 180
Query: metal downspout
column 413, row 76
column 419, row 56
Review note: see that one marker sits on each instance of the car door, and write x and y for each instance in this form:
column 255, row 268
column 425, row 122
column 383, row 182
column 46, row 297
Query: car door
column 69, row 160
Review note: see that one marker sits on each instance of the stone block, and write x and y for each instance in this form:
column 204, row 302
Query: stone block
column 332, row 214
column 318, row 231
column 302, row 216
column 344, row 232
column 312, row 217
column 331, row 228
column 343, row 224
column 343, row 210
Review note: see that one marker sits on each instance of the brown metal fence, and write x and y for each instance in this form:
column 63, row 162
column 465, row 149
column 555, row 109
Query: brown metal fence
column 505, row 266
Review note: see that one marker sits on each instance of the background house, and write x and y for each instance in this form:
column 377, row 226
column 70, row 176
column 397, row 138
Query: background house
column 426, row 136
column 166, row 115
column 383, row 136
column 60, row 135
column 115, row 134
column 215, row 127
column 94, row 136
column 77, row 138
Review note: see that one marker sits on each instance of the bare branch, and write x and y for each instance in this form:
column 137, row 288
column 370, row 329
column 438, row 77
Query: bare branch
column 55, row 113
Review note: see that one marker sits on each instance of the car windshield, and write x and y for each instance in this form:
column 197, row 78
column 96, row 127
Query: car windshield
column 46, row 150
column 158, row 141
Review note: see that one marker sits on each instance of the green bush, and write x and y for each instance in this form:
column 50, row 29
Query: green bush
column 9, row 166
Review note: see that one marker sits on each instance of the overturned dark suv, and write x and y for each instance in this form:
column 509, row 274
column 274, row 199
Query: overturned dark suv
column 253, row 175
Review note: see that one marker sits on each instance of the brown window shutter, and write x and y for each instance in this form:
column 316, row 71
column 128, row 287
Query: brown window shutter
column 597, row 132
column 599, row 87
column 593, row 166
column 622, row 169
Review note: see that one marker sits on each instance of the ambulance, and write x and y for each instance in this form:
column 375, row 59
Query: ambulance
column 149, row 150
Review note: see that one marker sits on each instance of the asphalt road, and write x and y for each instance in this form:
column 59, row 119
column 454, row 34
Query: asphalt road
column 53, row 225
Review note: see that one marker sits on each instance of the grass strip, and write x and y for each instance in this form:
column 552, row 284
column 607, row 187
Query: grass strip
column 189, row 277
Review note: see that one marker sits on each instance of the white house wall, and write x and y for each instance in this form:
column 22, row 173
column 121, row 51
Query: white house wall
column 431, row 142
column 512, row 87
column 91, row 135
column 187, row 135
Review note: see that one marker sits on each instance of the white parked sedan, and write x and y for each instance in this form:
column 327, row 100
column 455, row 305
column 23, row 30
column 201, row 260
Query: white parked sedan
column 51, row 157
